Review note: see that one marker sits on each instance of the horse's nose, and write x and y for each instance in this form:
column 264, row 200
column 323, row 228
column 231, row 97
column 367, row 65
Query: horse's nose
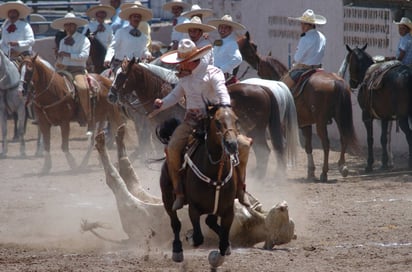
column 231, row 146
column 112, row 97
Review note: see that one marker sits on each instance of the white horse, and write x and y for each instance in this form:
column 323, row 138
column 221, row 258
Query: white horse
column 11, row 102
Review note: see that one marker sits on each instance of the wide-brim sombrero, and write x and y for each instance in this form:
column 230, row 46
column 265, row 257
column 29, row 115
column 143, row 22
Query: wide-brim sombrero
column 195, row 22
column 168, row 6
column 68, row 18
column 37, row 18
column 110, row 11
column 405, row 21
column 131, row 4
column 23, row 10
column 226, row 20
column 196, row 10
column 186, row 52
column 144, row 12
column 310, row 17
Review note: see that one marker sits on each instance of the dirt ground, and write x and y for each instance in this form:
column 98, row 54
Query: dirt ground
column 360, row 223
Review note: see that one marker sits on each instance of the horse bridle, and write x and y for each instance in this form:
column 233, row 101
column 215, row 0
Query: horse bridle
column 28, row 77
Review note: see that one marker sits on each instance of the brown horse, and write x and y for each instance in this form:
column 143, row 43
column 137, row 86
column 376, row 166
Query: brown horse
column 326, row 96
column 55, row 105
column 209, row 182
column 256, row 106
column 267, row 67
column 389, row 100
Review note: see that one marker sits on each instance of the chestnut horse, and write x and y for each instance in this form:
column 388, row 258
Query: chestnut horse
column 256, row 106
column 389, row 100
column 55, row 105
column 209, row 181
column 267, row 67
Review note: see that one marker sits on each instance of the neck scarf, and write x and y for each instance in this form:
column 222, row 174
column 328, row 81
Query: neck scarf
column 11, row 28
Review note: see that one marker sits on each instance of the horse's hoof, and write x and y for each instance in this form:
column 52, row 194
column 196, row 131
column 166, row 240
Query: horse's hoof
column 344, row 171
column 368, row 169
column 177, row 257
column 215, row 259
column 323, row 177
column 228, row 251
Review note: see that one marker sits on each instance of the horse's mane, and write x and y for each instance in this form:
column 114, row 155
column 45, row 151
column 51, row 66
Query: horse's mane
column 153, row 82
column 9, row 74
column 166, row 74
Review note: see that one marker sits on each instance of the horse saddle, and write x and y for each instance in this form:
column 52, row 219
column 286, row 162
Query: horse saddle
column 376, row 72
column 301, row 77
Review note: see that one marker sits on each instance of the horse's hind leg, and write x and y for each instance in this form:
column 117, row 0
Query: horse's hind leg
column 262, row 152
column 4, row 134
column 21, row 130
column 307, row 134
column 404, row 125
column 368, row 122
column 322, row 132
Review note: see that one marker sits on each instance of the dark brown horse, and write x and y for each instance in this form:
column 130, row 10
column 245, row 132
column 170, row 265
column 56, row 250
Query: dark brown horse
column 209, row 182
column 387, row 101
column 55, row 105
column 326, row 96
column 256, row 106
column 267, row 67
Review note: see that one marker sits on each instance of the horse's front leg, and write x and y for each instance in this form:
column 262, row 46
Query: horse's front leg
column 368, row 122
column 3, row 121
column 44, row 128
column 21, row 130
column 216, row 258
column 384, row 144
column 307, row 135
column 197, row 237
column 65, row 131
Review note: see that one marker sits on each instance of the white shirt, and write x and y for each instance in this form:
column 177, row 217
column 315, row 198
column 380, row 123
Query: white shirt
column 311, row 48
column 23, row 35
column 79, row 51
column 104, row 37
column 206, row 82
column 126, row 45
column 176, row 35
column 227, row 56
column 208, row 58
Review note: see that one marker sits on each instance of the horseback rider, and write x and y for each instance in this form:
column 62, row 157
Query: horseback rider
column 311, row 47
column 129, row 41
column 198, row 81
column 72, row 56
column 17, row 35
column 226, row 51
column 176, row 7
column 404, row 52
column 97, row 26
column 144, row 26
column 196, row 31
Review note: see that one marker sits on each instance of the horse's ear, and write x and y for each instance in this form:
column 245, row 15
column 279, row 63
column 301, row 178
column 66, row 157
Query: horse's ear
column 247, row 35
column 270, row 53
column 364, row 47
column 35, row 56
column 348, row 48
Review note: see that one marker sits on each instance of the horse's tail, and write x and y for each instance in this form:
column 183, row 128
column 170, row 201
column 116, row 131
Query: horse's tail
column 344, row 115
column 291, row 128
column 275, row 126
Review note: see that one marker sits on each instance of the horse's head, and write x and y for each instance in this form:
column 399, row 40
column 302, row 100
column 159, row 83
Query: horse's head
column 248, row 49
column 358, row 61
column 121, row 81
column 27, row 71
column 223, row 127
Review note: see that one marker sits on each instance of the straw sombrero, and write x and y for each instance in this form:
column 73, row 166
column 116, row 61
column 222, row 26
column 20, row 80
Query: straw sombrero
column 196, row 10
column 110, row 11
column 37, row 18
column 186, row 51
column 23, row 10
column 144, row 12
column 195, row 22
column 310, row 17
column 68, row 18
column 168, row 6
column 126, row 5
column 226, row 20
column 405, row 21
